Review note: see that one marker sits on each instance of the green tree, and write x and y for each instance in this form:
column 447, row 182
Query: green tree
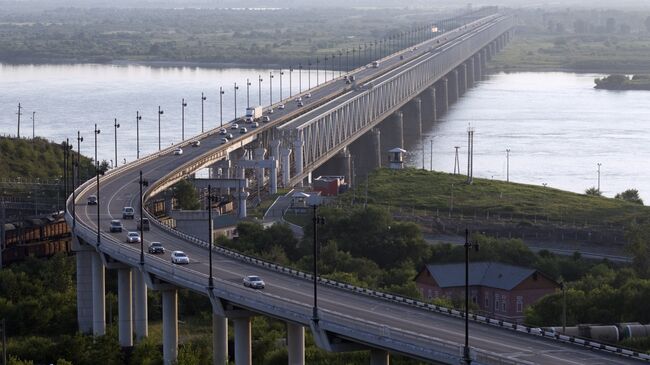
column 186, row 195
column 630, row 195
column 592, row 191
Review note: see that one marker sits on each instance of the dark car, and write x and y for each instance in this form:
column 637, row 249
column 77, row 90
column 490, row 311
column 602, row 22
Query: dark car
column 145, row 224
column 156, row 247
column 92, row 200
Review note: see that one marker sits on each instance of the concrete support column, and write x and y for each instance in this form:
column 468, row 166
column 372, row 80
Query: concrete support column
column 273, row 176
column 274, row 149
column 170, row 325
column 298, row 159
column 479, row 66
column 259, row 156
column 84, row 290
column 346, row 159
column 462, row 79
column 470, row 72
column 296, row 344
column 99, row 295
column 432, row 99
column 140, row 316
column 442, row 90
column 285, row 166
column 243, row 353
column 124, row 305
column 379, row 357
column 453, row 86
column 243, row 196
column 219, row 340
column 376, row 148
column 417, row 105
column 397, row 127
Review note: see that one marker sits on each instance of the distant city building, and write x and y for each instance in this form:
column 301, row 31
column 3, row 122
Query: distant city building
column 500, row 291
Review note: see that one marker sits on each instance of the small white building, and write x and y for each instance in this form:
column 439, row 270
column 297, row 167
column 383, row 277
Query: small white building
column 396, row 158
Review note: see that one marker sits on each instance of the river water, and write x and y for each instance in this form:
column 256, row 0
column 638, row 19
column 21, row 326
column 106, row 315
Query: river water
column 556, row 125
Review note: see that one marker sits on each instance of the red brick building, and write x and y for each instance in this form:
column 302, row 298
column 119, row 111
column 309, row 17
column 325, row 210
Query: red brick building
column 499, row 290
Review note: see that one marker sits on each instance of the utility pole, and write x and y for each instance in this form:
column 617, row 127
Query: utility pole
column 599, row 164
column 507, row 164
column 221, row 92
column 19, row 114
column 115, row 126
column 160, row 112
column 431, row 155
column 466, row 351
column 138, row 118
column 202, row 123
column 183, row 105
column 316, row 220
column 456, row 162
column 33, row 125
column 470, row 155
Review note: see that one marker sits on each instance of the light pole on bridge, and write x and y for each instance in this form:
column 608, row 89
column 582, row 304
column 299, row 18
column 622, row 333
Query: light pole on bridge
column 259, row 89
column 221, row 92
column 160, row 112
column 75, row 179
column 290, row 85
column 599, row 164
column 316, row 220
column 142, row 183
column 248, row 93
column 308, row 74
column 270, row 87
column 210, row 233
column 507, row 164
column 281, row 73
column 466, row 351
column 183, row 105
column 203, row 98
column 317, row 67
column 97, row 131
column 116, row 125
column 235, row 89
column 299, row 78
column 138, row 118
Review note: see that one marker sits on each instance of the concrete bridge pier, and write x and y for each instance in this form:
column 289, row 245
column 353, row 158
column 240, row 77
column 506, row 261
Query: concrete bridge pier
column 417, row 105
column 470, row 72
column 274, row 149
column 395, row 131
column 99, row 295
column 298, row 161
column 219, row 340
column 462, row 79
column 140, row 316
column 442, row 91
column 84, row 259
column 124, row 307
column 285, row 166
column 243, row 197
column 429, row 96
column 170, row 325
column 379, row 357
column 375, row 134
column 296, row 344
column 453, row 86
column 259, row 156
column 346, row 164
column 243, row 353
column 478, row 64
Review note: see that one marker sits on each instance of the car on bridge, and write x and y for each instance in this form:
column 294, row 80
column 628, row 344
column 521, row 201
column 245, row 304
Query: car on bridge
column 92, row 200
column 196, row 143
column 223, row 131
column 281, row 106
column 180, row 258
column 178, row 151
column 254, row 281
column 266, row 119
column 255, row 125
column 156, row 247
column 308, row 95
column 300, row 103
column 116, row 225
column 243, row 130
column 128, row 213
column 224, row 140
column 145, row 224
column 133, row 237
column 234, row 126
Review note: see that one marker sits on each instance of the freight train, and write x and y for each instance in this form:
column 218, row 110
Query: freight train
column 39, row 237
column 606, row 333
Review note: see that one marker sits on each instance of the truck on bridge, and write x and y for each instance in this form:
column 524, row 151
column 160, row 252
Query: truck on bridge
column 253, row 113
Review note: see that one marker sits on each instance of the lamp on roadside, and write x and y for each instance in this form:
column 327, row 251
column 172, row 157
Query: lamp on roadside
column 183, row 105
column 203, row 98
column 248, row 93
column 316, row 221
column 75, row 179
column 290, row 85
column 259, row 89
column 138, row 118
column 317, row 64
column 270, row 87
column 210, row 233
column 236, row 88
column 300, row 78
column 281, row 73
column 115, row 126
column 221, row 92
column 160, row 112
column 142, row 183
column 466, row 351
column 309, row 74
column 97, row 131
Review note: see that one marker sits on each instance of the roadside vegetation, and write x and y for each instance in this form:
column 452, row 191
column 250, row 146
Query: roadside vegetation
column 623, row 82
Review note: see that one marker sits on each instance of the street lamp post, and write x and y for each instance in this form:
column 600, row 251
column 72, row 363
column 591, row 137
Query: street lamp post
column 317, row 64
column 300, row 78
column 19, row 114
column 316, row 220
column 97, row 131
column 281, row 73
column 33, row 125
column 599, row 164
column 221, row 92
column 259, row 89
column 210, row 233
column 160, row 112
column 507, row 164
column 115, row 126
column 236, row 88
column 202, row 123
column 75, row 173
column 290, row 85
column 466, row 353
column 138, row 118
column 347, row 60
column 183, row 105
column 325, row 69
column 248, row 93
column 270, row 87
column 309, row 75
column 142, row 183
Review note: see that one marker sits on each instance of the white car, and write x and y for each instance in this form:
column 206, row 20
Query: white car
column 234, row 126
column 178, row 151
column 266, row 118
column 179, row 257
column 133, row 237
column 298, row 99
column 254, row 281
column 281, row 106
column 271, row 111
column 196, row 143
column 224, row 140
column 300, row 103
column 223, row 131
column 308, row 95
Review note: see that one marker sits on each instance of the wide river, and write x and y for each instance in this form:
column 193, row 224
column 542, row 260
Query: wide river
column 557, row 127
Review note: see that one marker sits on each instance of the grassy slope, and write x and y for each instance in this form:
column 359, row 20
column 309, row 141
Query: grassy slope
column 420, row 189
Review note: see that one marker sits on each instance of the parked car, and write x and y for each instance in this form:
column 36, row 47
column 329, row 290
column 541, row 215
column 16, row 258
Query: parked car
column 156, row 247
column 128, row 213
column 116, row 225
column 196, row 143
column 266, row 119
column 178, row 151
column 179, row 257
column 145, row 224
column 133, row 237
column 234, row 126
column 254, row 281
column 92, row 200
